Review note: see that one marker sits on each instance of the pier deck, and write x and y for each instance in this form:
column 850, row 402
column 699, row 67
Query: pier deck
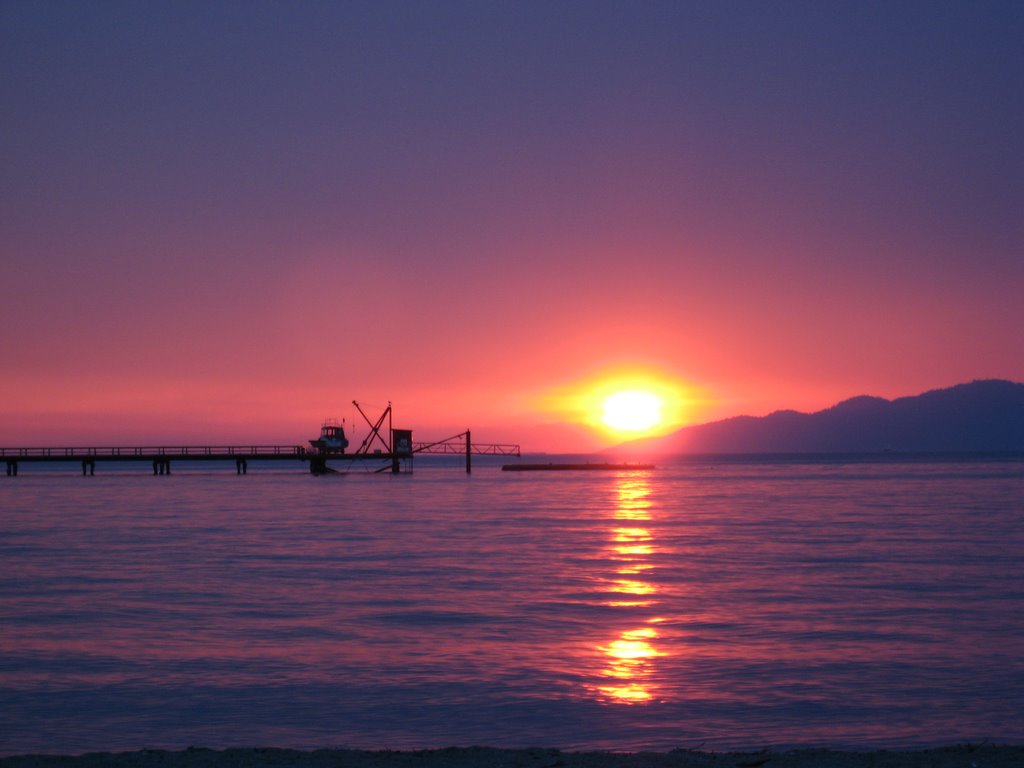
column 161, row 456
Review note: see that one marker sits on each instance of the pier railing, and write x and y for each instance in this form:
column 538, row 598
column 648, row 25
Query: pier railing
column 178, row 451
column 451, row 447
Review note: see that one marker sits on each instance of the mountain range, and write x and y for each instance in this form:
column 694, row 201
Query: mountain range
column 979, row 416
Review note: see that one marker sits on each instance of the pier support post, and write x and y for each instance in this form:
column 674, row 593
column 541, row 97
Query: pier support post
column 241, row 467
column 12, row 469
column 88, row 467
column 469, row 454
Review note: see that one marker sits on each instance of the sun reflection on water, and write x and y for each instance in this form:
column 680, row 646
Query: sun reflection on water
column 633, row 587
column 628, row 661
column 633, row 503
column 629, row 664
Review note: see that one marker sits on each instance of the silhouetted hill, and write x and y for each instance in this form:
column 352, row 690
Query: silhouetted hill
column 980, row 416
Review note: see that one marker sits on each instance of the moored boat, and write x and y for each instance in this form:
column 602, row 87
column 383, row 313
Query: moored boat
column 332, row 438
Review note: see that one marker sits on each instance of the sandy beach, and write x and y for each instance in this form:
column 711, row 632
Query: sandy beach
column 964, row 756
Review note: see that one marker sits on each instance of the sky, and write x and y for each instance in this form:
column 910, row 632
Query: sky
column 223, row 222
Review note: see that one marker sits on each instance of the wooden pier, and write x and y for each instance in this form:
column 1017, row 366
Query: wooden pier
column 161, row 457
column 395, row 453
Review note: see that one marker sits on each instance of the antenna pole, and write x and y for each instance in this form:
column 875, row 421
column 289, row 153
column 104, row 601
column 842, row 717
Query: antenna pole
column 391, row 444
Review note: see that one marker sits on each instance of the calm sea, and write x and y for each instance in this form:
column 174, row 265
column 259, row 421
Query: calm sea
column 710, row 604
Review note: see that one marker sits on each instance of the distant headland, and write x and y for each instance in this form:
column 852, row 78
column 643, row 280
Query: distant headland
column 982, row 416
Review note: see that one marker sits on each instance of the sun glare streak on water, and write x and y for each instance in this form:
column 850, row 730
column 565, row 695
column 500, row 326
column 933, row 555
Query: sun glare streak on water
column 630, row 657
column 724, row 604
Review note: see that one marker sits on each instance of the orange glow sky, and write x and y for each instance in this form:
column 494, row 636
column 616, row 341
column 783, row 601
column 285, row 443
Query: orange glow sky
column 224, row 224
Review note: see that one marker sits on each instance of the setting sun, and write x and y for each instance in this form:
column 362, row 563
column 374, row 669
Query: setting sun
column 624, row 403
column 632, row 410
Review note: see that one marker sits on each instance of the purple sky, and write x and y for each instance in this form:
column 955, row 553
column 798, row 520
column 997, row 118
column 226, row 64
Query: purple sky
column 231, row 219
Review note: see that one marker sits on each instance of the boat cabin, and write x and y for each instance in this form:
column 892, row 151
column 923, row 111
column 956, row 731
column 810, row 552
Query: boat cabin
column 332, row 438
